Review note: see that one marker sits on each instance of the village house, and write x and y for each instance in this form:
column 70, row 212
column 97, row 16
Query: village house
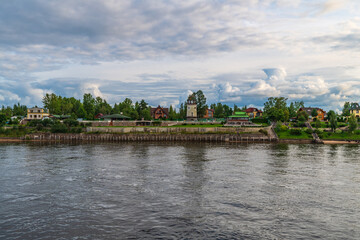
column 320, row 113
column 159, row 113
column 239, row 118
column 355, row 111
column 37, row 113
column 209, row 113
column 253, row 112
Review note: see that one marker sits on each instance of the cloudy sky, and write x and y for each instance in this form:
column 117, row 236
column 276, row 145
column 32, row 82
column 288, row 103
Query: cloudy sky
column 235, row 51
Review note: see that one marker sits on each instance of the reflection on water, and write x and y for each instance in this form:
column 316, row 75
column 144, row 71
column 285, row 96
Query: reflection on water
column 171, row 191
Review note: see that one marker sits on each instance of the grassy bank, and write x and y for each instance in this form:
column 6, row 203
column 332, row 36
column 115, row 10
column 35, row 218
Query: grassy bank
column 288, row 135
column 340, row 136
column 14, row 132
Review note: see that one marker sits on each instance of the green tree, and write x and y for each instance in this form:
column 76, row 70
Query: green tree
column 219, row 111
column 302, row 116
column 333, row 120
column 314, row 113
column 346, row 109
column 3, row 119
column 89, row 105
column 317, row 123
column 353, row 124
column 19, row 110
column 172, row 113
column 53, row 103
column 182, row 111
column 200, row 104
column 236, row 108
column 274, row 108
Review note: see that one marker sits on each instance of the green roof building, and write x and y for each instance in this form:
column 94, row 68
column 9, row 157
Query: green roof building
column 239, row 118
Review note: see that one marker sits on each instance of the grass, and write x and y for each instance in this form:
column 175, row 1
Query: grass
column 287, row 135
column 17, row 132
column 340, row 136
column 325, row 125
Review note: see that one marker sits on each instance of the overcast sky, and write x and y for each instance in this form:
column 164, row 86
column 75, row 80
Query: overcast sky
column 238, row 52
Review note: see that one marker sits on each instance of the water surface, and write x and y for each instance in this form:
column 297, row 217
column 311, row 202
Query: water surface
column 179, row 191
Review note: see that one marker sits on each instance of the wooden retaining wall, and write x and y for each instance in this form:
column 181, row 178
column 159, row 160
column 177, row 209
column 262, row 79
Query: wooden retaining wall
column 146, row 137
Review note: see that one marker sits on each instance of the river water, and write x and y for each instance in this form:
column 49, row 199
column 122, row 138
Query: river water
column 179, row 191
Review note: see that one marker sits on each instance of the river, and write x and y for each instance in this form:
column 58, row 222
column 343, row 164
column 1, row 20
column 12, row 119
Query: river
column 179, row 191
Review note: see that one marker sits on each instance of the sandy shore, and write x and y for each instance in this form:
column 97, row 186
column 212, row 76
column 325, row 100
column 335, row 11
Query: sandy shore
column 11, row 140
column 340, row 142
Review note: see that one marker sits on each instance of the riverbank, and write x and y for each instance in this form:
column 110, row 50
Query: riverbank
column 160, row 137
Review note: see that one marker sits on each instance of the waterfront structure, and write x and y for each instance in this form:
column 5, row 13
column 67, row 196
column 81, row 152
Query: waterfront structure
column 253, row 112
column 159, row 113
column 191, row 110
column 355, row 111
column 37, row 113
column 321, row 113
column 239, row 118
column 209, row 113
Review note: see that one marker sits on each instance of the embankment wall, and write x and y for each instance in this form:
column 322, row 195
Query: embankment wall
column 106, row 137
column 171, row 130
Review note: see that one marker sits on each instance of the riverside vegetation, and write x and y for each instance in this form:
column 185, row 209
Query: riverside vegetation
column 336, row 126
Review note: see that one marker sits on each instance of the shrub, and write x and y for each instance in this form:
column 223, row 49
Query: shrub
column 295, row 131
column 59, row 128
column 71, row 122
column 76, row 130
column 263, row 131
column 259, row 120
column 278, row 126
column 299, row 124
column 318, row 131
column 34, row 123
column 284, row 128
column 308, row 131
column 47, row 122
column 39, row 127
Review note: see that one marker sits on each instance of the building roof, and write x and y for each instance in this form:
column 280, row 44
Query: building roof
column 165, row 110
column 250, row 110
column 239, row 114
column 308, row 110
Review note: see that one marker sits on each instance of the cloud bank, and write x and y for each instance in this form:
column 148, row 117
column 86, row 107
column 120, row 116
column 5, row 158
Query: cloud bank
column 235, row 51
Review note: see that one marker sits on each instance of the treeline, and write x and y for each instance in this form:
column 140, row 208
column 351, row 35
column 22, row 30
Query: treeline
column 89, row 107
column 16, row 110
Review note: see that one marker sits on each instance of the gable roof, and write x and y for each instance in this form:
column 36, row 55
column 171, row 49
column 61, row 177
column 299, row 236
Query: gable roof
column 308, row 110
column 252, row 109
column 165, row 110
